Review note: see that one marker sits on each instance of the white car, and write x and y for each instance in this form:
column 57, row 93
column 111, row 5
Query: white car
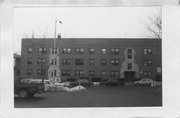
column 144, row 81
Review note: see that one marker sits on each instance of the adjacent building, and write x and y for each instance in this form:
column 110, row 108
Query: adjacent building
column 106, row 58
column 17, row 65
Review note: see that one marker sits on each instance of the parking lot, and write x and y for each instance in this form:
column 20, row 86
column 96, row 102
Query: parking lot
column 102, row 96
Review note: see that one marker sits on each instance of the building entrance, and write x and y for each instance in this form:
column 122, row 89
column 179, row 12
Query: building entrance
column 129, row 75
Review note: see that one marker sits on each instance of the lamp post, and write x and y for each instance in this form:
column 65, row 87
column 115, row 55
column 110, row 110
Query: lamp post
column 55, row 50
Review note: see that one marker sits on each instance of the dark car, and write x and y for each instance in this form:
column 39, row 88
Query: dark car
column 25, row 90
column 82, row 82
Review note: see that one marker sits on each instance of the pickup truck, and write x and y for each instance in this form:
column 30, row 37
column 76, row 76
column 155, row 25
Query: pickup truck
column 25, row 90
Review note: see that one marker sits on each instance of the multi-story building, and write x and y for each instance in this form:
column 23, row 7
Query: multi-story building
column 105, row 58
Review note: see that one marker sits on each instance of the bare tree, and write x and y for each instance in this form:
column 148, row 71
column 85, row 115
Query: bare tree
column 154, row 27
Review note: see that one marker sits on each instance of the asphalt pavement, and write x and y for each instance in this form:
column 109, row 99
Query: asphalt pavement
column 118, row 96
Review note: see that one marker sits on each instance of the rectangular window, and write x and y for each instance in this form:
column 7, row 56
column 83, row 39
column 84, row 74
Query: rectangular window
column 91, row 62
column 129, row 54
column 114, row 74
column 55, row 73
column 30, row 50
column 79, row 73
column 147, row 74
column 103, row 74
column 54, row 50
column 114, row 62
column 103, row 62
column 66, row 61
column 114, row 50
column 29, row 61
column 91, row 51
column 41, row 61
column 29, row 72
column 66, row 51
column 147, row 62
column 54, row 61
column 104, row 51
column 129, row 66
column 79, row 51
column 42, row 50
column 91, row 73
column 79, row 61
column 147, row 51
column 39, row 72
column 66, row 73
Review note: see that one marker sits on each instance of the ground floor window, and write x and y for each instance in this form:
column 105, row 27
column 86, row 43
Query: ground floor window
column 66, row 73
column 29, row 72
column 114, row 74
column 79, row 73
column 91, row 73
column 147, row 74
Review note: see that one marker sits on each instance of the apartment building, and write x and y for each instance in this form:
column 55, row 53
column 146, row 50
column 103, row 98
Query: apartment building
column 106, row 58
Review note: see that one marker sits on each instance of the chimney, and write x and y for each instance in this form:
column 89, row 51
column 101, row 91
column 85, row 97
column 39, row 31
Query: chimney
column 59, row 36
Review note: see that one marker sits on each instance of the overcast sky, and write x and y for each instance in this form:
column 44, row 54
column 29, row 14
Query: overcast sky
column 81, row 22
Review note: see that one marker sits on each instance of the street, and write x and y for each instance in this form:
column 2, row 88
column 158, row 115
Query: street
column 103, row 96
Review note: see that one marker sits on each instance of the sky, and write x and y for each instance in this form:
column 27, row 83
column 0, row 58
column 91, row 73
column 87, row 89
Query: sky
column 81, row 22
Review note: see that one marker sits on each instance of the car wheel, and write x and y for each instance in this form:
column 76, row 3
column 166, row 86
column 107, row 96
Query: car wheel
column 137, row 84
column 23, row 93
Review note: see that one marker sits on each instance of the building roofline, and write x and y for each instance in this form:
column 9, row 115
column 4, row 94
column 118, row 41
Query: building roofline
column 91, row 39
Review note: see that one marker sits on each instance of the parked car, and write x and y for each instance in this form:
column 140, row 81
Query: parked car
column 144, row 81
column 111, row 82
column 82, row 82
column 27, row 89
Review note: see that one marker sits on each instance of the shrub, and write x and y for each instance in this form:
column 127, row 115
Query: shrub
column 71, row 79
column 96, row 79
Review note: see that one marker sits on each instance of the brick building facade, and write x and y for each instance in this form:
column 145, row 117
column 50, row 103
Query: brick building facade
column 105, row 58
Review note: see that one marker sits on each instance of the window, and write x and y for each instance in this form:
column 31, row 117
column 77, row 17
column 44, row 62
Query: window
column 103, row 50
column 103, row 73
column 148, row 51
column 79, row 51
column 114, row 62
column 91, row 62
column 114, row 50
column 66, row 62
column 103, row 62
column 129, row 53
column 41, row 61
column 129, row 66
column 54, row 73
column 79, row 61
column 54, row 61
column 54, row 51
column 114, row 74
column 66, row 51
column 92, row 73
column 147, row 62
column 42, row 50
column 66, row 73
column 92, row 51
column 39, row 72
column 30, row 50
column 147, row 74
column 79, row 73
column 29, row 72
column 29, row 61
column 158, row 69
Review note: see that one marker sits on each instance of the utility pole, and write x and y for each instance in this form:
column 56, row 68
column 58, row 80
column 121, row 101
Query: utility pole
column 55, row 70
